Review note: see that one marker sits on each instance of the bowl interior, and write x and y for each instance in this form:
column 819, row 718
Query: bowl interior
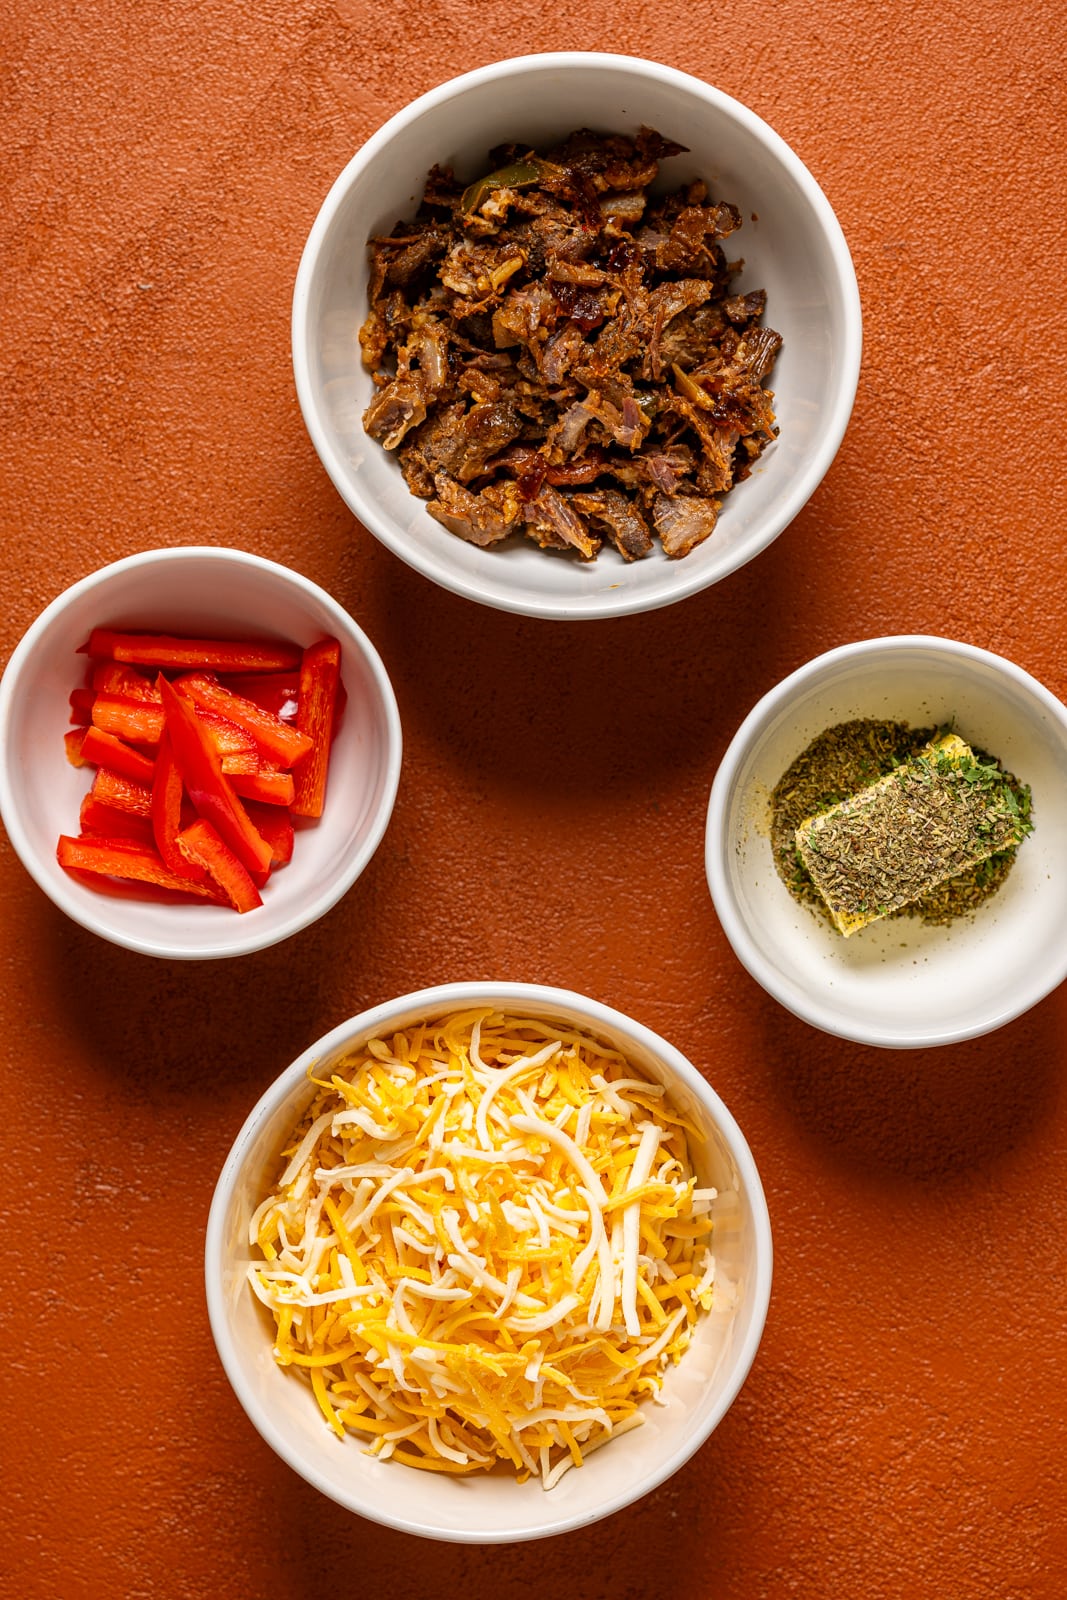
column 791, row 246
column 198, row 592
column 491, row 1508
column 900, row 982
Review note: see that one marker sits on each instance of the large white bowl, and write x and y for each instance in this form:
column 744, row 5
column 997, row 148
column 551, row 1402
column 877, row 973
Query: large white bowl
column 490, row 1509
column 199, row 591
column 898, row 983
column 792, row 246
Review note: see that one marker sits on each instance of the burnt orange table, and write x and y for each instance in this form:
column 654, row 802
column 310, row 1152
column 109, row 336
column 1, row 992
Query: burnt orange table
column 902, row 1431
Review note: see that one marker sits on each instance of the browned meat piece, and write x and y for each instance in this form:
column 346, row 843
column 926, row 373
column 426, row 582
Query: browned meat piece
column 715, row 467
column 623, row 523
column 683, row 522
column 626, row 425
column 686, row 249
column 745, row 308
column 561, row 351
column 565, row 436
column 395, row 410
column 554, row 523
column 480, row 270
column 758, row 352
column 669, row 468
column 397, row 262
column 688, row 338
column 611, row 162
column 667, row 302
column 487, row 429
column 475, row 517
column 562, row 326
column 440, row 442
column 523, row 313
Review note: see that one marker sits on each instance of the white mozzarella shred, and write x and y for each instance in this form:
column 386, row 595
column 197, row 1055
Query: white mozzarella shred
column 499, row 1078
column 302, row 1153
column 524, row 1326
column 631, row 1226
column 510, row 1291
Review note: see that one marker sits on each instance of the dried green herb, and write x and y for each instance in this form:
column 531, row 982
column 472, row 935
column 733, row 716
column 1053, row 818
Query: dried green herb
column 850, row 757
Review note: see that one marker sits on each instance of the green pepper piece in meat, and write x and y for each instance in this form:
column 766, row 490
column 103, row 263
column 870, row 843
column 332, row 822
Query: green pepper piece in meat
column 519, row 175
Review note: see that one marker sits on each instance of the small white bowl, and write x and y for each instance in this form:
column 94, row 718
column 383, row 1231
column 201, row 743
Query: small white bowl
column 490, row 1509
column 792, row 246
column 898, row 983
column 201, row 592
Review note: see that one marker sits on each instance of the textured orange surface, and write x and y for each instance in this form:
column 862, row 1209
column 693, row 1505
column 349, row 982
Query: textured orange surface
column 902, row 1431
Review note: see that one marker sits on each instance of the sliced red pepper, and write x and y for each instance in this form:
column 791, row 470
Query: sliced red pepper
column 96, row 817
column 111, row 677
column 202, row 848
column 122, row 858
column 208, row 786
column 167, row 822
column 278, row 742
column 81, row 707
column 141, row 723
column 270, row 788
column 240, row 762
column 276, row 692
column 226, row 736
column 276, row 826
column 125, row 794
column 74, row 744
column 175, row 654
column 105, row 750
column 131, row 720
column 320, row 672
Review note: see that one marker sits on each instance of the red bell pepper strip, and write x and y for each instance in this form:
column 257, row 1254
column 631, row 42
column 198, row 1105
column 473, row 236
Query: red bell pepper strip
column 320, row 672
column 131, row 720
column 270, row 788
column 122, row 858
column 276, row 826
column 208, row 786
column 203, row 849
column 111, row 677
column 125, row 794
column 276, row 692
column 81, row 707
column 240, row 762
column 175, row 654
column 74, row 745
column 96, row 817
column 104, row 750
column 167, row 791
column 278, row 742
column 141, row 723
column 226, row 736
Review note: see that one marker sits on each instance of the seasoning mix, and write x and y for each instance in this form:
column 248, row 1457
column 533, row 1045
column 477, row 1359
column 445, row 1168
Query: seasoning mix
column 876, row 819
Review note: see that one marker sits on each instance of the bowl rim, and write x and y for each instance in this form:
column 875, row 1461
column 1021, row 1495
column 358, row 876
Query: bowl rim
column 1040, row 981
column 613, row 602
column 592, row 1013
column 265, row 934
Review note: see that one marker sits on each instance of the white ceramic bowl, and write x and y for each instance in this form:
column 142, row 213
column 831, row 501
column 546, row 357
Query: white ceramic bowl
column 199, row 591
column 494, row 1508
column 898, row 983
column 792, row 246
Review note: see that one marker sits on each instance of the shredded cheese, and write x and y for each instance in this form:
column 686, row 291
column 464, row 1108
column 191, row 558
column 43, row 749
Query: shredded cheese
column 486, row 1245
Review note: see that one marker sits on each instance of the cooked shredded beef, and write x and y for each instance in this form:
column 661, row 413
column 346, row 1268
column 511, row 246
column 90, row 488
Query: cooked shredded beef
column 558, row 353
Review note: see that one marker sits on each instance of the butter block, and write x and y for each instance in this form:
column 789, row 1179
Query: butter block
column 937, row 814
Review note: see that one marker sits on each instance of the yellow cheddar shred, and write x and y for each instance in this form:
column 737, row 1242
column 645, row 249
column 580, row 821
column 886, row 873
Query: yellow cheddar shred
column 486, row 1245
